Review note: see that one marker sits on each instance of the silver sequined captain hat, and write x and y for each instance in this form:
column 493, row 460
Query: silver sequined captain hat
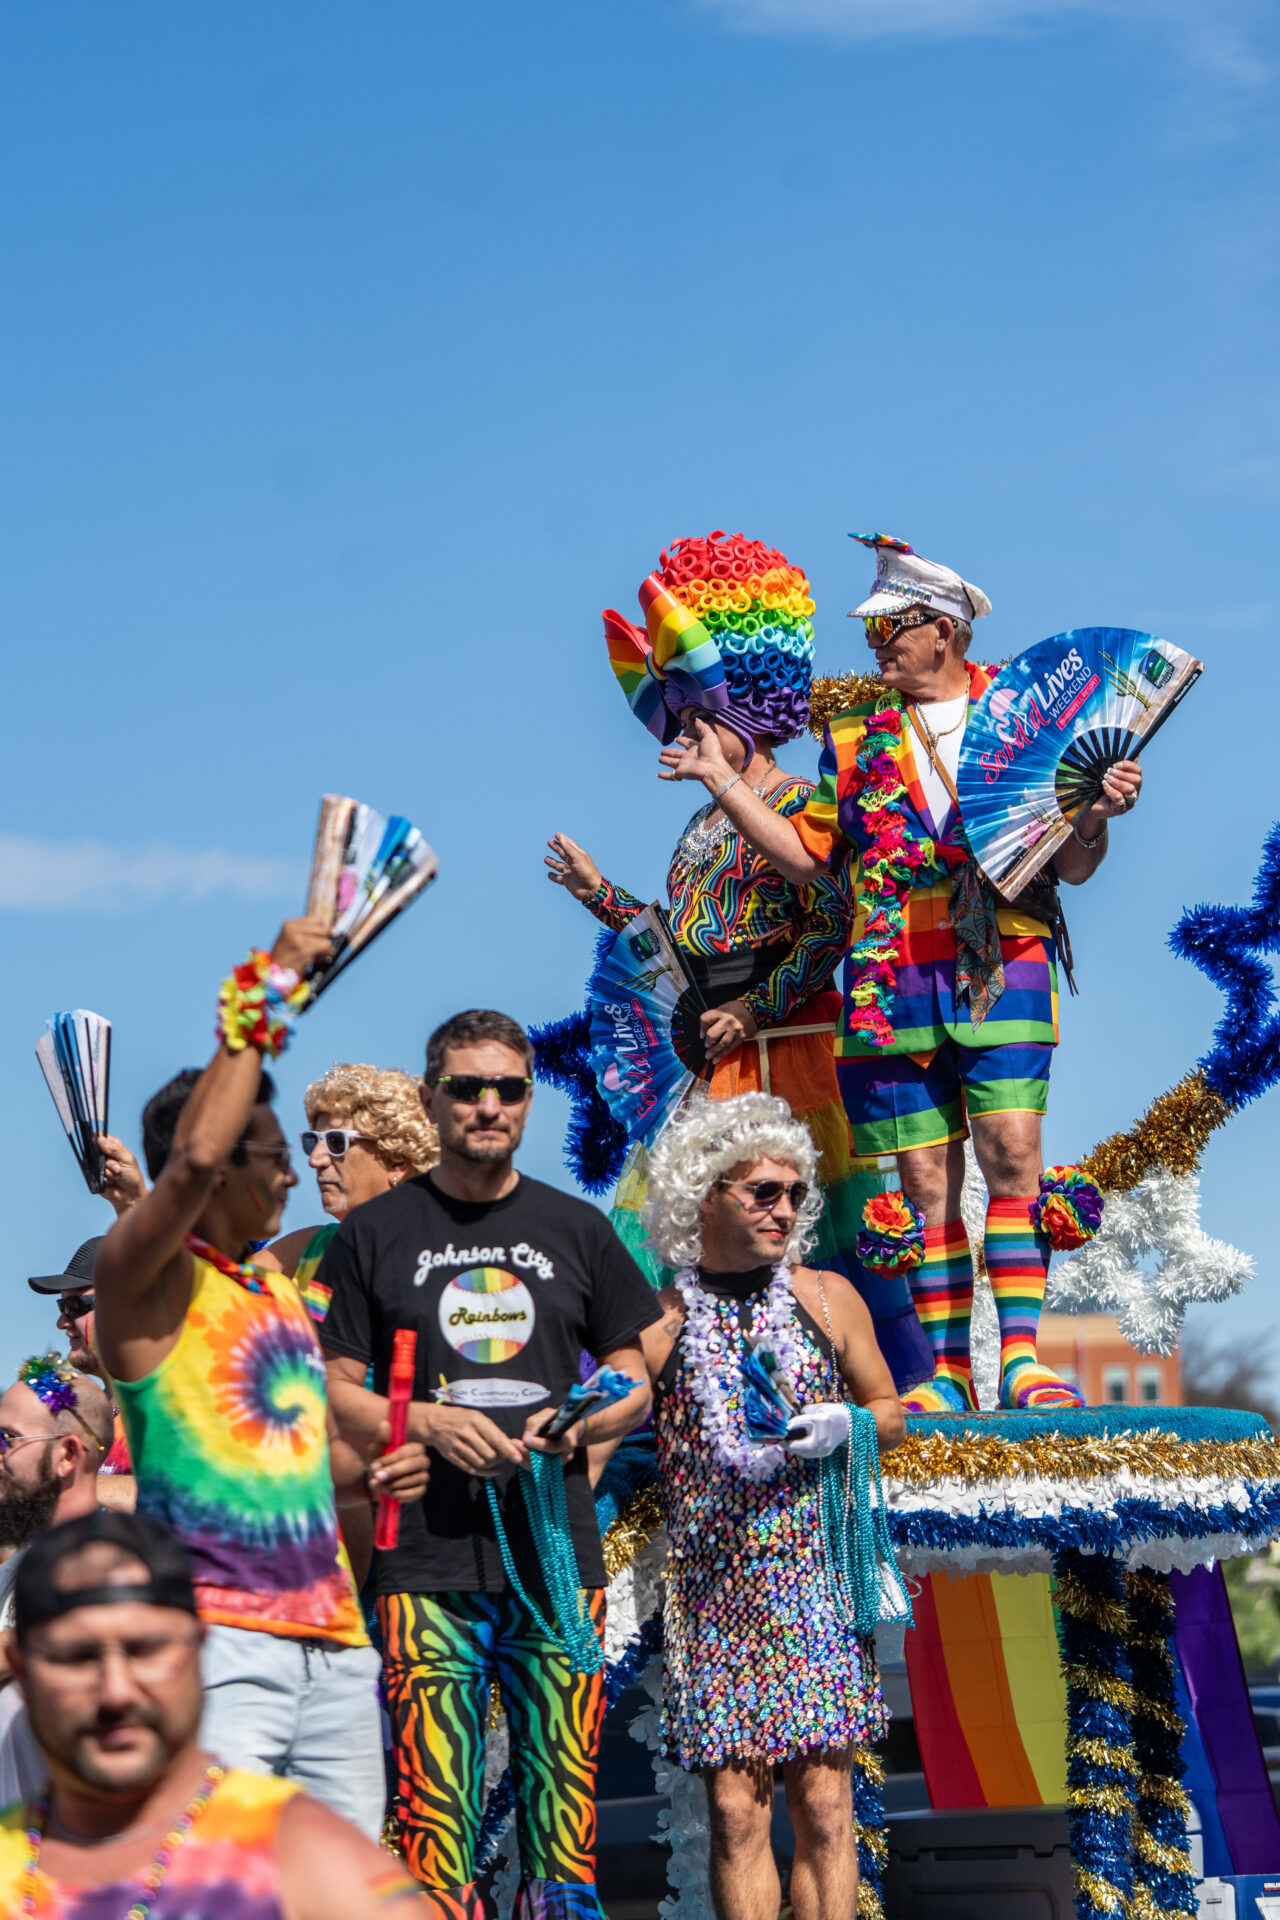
column 904, row 579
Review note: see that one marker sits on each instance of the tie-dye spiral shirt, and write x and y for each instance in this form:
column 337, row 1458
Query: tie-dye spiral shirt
column 229, row 1445
column 226, row 1868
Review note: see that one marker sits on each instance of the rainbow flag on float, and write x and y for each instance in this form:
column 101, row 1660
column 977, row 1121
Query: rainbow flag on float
column 991, row 1713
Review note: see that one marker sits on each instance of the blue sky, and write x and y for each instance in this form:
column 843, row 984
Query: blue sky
column 352, row 359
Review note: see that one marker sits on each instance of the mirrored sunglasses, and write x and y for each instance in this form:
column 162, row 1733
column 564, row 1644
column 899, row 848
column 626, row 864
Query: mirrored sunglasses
column 883, row 627
column 75, row 1305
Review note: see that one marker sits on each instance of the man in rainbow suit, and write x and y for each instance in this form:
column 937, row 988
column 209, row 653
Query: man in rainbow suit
column 949, row 1016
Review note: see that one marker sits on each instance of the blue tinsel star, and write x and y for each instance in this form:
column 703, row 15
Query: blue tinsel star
column 1226, row 944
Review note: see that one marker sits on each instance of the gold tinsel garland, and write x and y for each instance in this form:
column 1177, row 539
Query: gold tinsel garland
column 1102, row 1799
column 1141, row 1905
column 1158, row 1786
column 1102, row 1753
column 835, row 693
column 1099, row 1892
column 642, row 1517
column 1100, row 1686
column 1172, row 1859
column 1112, row 1616
column 1170, row 1136
column 923, row 1460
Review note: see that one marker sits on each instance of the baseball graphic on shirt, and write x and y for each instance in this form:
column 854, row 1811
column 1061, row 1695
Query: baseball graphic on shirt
column 486, row 1314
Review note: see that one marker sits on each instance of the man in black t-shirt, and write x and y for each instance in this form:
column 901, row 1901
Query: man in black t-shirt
column 505, row 1281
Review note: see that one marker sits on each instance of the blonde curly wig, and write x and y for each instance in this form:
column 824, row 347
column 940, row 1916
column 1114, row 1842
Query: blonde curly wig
column 705, row 1142
column 385, row 1104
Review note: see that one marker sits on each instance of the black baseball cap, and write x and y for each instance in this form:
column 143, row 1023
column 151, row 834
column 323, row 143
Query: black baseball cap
column 80, row 1270
column 37, row 1597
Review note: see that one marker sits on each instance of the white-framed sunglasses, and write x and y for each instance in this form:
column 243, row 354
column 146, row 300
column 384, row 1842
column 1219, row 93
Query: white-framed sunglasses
column 335, row 1140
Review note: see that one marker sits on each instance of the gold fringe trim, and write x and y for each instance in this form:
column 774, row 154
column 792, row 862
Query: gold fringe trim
column 642, row 1517
column 869, row 1907
column 923, row 1460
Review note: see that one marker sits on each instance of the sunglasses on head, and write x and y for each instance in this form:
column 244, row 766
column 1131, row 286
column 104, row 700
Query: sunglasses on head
column 469, row 1088
column 75, row 1305
column 767, row 1193
column 883, row 627
column 336, row 1140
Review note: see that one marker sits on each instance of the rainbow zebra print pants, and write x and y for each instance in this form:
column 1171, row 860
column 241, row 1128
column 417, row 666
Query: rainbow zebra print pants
column 442, row 1652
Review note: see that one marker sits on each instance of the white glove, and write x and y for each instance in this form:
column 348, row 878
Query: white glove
column 816, row 1431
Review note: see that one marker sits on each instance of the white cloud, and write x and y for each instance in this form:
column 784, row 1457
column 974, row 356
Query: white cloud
column 43, row 876
column 1218, row 34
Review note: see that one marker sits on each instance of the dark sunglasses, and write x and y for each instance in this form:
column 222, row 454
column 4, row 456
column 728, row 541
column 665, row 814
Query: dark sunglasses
column 469, row 1088
column 883, row 627
column 75, row 1305
column 767, row 1193
column 336, row 1141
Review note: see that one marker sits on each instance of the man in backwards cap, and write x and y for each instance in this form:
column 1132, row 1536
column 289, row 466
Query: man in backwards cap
column 137, row 1817
column 915, row 1063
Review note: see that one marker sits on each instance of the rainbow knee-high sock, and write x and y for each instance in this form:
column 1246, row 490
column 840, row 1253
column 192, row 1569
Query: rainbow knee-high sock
column 1018, row 1267
column 942, row 1288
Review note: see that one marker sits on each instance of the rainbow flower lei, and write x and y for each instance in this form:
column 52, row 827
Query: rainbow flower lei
column 888, row 872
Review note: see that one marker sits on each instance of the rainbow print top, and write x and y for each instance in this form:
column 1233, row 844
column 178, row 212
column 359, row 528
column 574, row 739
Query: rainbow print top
column 726, row 898
column 229, row 1443
column 227, row 1865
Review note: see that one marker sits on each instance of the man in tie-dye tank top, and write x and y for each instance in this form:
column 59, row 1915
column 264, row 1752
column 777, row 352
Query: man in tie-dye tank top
column 218, row 1374
column 141, row 1818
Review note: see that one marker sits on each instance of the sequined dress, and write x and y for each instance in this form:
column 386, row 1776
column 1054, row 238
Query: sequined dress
column 757, row 1664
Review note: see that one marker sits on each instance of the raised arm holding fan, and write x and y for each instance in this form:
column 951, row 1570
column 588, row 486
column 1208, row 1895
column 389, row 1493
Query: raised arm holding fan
column 217, row 1367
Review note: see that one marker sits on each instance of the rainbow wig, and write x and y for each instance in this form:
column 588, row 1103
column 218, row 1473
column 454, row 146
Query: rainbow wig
column 728, row 629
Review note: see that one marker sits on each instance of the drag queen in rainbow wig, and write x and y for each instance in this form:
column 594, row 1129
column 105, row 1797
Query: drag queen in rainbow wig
column 728, row 634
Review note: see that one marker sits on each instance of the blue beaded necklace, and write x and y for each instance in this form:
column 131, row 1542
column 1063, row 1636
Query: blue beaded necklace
column 855, row 1529
column 542, row 1486
column 856, row 1547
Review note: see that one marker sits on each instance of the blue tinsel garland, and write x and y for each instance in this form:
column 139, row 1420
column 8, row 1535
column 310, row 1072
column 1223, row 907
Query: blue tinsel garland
column 1085, row 1528
column 1100, row 1760
column 1227, row 944
column 596, row 1143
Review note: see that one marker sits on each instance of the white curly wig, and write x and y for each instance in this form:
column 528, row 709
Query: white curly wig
column 701, row 1145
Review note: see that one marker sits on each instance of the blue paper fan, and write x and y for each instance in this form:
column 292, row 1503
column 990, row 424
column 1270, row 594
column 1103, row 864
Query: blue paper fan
column 646, row 1043
column 1046, row 730
column 74, row 1053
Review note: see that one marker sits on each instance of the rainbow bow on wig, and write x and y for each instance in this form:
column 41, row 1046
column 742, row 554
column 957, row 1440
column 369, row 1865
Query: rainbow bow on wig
column 675, row 664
